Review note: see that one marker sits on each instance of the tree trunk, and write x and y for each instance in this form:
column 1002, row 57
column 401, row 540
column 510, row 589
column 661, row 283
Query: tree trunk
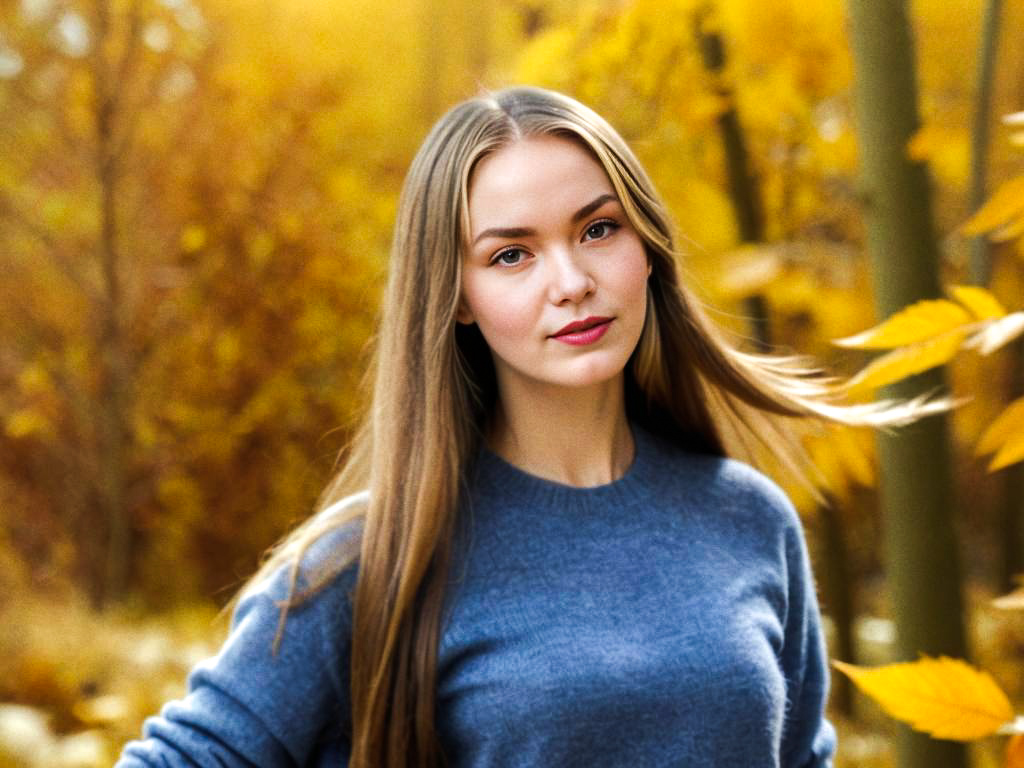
column 916, row 483
column 114, row 399
column 744, row 191
column 980, row 262
column 837, row 596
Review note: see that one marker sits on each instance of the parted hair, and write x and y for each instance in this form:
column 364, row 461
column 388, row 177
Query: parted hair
column 434, row 388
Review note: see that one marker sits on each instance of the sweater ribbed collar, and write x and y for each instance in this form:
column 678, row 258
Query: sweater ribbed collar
column 495, row 475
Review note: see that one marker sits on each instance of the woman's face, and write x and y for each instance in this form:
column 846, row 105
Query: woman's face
column 554, row 274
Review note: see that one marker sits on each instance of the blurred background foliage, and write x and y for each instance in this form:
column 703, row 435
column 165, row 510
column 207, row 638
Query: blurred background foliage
column 196, row 199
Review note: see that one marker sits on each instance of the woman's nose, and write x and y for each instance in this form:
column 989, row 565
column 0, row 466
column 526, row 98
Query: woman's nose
column 569, row 280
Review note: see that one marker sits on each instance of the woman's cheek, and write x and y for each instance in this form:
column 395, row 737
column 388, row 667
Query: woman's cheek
column 503, row 318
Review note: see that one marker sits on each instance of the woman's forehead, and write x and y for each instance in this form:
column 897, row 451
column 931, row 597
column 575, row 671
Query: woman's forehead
column 530, row 177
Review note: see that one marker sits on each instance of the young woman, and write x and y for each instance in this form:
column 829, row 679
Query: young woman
column 537, row 552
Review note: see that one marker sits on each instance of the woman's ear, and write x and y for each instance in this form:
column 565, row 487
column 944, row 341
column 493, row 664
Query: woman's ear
column 463, row 314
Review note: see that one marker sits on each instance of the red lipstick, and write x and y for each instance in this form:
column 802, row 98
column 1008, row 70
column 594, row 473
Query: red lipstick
column 582, row 332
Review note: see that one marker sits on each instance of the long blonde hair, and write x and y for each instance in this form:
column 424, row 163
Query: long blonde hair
column 434, row 389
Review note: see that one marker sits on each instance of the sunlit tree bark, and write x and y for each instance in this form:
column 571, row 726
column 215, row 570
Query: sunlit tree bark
column 916, row 485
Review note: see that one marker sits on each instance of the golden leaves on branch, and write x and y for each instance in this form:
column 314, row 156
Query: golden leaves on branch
column 973, row 309
column 932, row 332
column 946, row 698
column 919, row 322
column 901, row 363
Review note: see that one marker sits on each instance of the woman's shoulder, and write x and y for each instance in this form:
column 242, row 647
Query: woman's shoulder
column 319, row 561
column 723, row 484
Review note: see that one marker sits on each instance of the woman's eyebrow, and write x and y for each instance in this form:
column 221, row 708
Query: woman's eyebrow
column 514, row 232
column 592, row 206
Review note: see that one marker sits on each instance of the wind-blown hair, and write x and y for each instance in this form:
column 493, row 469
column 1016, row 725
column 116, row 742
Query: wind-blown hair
column 435, row 389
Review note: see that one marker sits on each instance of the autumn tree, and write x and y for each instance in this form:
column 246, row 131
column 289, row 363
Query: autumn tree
column 921, row 549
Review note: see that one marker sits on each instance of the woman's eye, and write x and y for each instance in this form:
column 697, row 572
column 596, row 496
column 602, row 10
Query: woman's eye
column 600, row 229
column 509, row 257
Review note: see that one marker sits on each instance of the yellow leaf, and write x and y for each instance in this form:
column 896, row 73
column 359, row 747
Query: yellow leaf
column 982, row 304
column 919, row 322
column 944, row 697
column 1011, row 452
column 828, row 463
column 1007, row 424
column 1011, row 602
column 1006, row 203
column 997, row 333
column 901, row 363
column 853, row 452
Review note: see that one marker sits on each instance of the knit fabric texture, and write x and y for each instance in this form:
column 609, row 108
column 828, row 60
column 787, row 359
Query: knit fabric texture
column 666, row 619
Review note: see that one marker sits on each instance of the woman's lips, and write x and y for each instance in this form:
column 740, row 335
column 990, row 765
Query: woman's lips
column 584, row 332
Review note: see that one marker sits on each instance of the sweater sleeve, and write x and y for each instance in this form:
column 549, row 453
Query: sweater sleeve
column 249, row 706
column 808, row 738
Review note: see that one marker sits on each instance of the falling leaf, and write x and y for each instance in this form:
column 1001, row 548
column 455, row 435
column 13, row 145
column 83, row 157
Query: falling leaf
column 901, row 363
column 944, row 697
column 919, row 322
column 982, row 304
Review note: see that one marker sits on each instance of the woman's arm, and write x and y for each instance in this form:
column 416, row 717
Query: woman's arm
column 248, row 706
column 808, row 738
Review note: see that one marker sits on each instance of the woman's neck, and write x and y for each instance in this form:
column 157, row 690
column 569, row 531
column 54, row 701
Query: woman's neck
column 570, row 436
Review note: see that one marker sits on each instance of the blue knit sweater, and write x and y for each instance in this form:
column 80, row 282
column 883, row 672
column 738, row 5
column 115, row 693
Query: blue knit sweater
column 666, row 619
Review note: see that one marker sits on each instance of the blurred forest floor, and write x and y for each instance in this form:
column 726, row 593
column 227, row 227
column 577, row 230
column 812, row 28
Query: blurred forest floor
column 76, row 684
